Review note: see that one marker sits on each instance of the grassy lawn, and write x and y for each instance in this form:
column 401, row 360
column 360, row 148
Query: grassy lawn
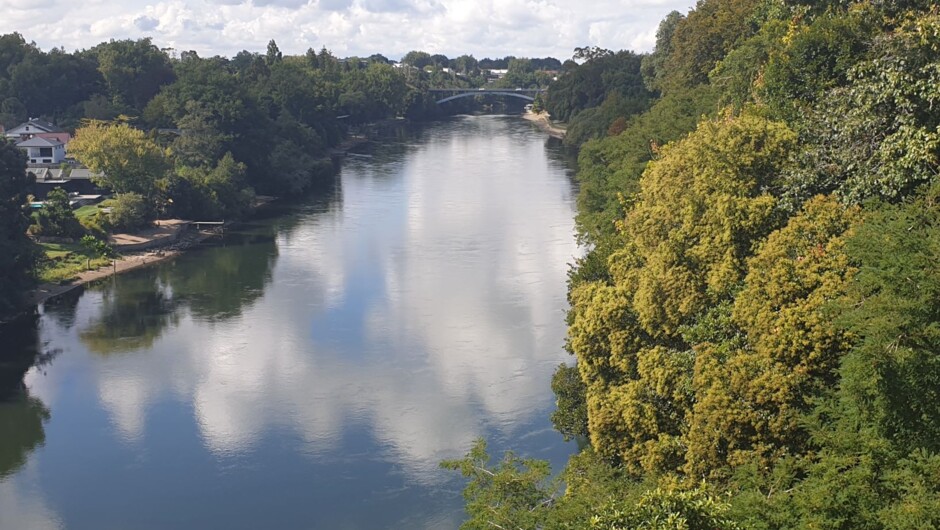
column 64, row 261
column 86, row 211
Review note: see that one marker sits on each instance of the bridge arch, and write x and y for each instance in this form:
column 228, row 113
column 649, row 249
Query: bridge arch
column 486, row 93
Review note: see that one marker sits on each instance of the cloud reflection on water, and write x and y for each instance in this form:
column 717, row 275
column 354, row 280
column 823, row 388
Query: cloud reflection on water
column 459, row 327
column 425, row 311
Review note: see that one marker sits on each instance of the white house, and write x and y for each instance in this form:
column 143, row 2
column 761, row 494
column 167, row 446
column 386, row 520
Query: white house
column 31, row 128
column 43, row 151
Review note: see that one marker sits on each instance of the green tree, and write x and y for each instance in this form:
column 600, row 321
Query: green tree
column 273, row 54
column 812, row 58
column 653, row 65
column 124, row 158
column 18, row 256
column 702, row 39
column 891, row 377
column 416, row 58
column 782, row 351
column 570, row 415
column 880, row 135
column 12, row 112
column 134, row 71
column 130, row 212
column 514, row 493
column 200, row 142
column 56, row 218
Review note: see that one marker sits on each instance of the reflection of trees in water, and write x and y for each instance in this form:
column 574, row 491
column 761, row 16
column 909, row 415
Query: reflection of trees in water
column 564, row 156
column 221, row 281
column 21, row 422
column 135, row 310
column 63, row 308
column 288, row 217
column 21, row 415
column 214, row 283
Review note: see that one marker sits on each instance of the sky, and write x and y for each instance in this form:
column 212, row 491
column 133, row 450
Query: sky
column 483, row 28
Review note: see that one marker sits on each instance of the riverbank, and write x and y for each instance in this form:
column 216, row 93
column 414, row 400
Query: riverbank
column 545, row 123
column 163, row 242
column 47, row 291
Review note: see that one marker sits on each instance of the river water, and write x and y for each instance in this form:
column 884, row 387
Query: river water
column 311, row 369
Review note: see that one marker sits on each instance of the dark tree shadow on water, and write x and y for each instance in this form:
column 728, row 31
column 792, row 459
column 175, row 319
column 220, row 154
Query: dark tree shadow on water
column 22, row 416
column 135, row 311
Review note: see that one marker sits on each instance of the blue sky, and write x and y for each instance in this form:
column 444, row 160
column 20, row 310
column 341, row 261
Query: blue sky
column 494, row 28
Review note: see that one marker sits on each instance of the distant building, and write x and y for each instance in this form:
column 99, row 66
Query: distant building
column 73, row 180
column 43, row 151
column 62, row 136
column 31, row 128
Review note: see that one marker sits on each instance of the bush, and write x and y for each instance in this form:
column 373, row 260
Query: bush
column 56, row 218
column 96, row 225
column 97, row 246
column 130, row 212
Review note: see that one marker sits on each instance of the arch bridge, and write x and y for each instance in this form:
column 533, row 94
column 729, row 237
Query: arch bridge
column 450, row 94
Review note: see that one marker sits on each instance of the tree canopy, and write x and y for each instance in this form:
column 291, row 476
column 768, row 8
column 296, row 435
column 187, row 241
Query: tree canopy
column 17, row 255
column 755, row 322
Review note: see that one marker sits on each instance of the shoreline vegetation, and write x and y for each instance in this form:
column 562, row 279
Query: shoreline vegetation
column 190, row 137
column 754, row 325
column 46, row 292
column 159, row 252
column 156, row 249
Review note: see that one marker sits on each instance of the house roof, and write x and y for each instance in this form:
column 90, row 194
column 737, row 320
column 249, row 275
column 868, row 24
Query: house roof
column 62, row 136
column 82, row 173
column 56, row 174
column 39, row 142
column 42, row 125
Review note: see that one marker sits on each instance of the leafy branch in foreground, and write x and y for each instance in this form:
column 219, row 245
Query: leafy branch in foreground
column 513, row 494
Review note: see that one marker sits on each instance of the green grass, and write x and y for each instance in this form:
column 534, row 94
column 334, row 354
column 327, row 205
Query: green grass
column 86, row 211
column 65, row 261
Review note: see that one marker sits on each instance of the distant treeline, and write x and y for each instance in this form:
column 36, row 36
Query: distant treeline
column 196, row 137
column 757, row 322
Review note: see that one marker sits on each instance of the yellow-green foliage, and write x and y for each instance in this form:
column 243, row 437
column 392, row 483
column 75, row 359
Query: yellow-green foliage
column 758, row 322
column 636, row 398
column 667, row 508
column 702, row 206
column 126, row 159
column 750, row 399
column 641, row 422
column 604, row 333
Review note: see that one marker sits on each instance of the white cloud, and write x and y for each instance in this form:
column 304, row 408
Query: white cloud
column 493, row 28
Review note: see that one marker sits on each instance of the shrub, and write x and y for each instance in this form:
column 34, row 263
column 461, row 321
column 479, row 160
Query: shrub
column 130, row 212
column 56, row 217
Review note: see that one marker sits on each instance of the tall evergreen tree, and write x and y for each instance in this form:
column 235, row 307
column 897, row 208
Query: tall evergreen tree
column 17, row 253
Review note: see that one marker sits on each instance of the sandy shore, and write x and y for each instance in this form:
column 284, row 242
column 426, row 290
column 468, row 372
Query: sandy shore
column 133, row 260
column 545, row 123
column 47, row 291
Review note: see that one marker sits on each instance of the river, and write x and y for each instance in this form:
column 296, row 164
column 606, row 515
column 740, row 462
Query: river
column 312, row 368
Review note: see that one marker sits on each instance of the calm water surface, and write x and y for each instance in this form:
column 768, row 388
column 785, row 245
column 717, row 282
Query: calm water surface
column 311, row 370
